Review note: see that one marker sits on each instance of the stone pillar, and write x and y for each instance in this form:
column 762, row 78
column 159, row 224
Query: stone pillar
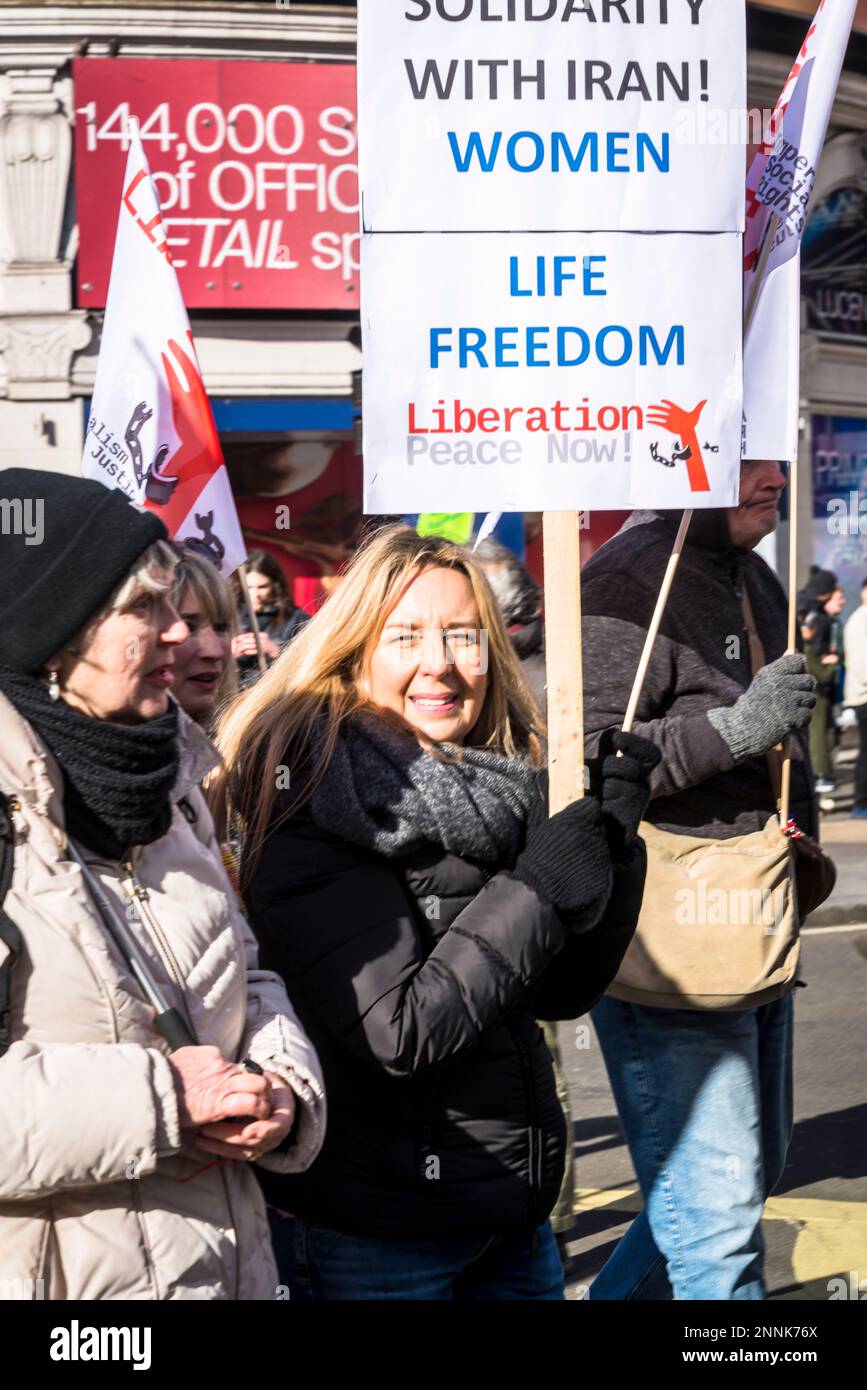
column 39, row 330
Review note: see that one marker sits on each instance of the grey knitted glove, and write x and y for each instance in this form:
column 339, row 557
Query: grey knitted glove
column 779, row 700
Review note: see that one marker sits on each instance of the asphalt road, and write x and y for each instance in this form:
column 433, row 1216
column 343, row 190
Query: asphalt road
column 816, row 1222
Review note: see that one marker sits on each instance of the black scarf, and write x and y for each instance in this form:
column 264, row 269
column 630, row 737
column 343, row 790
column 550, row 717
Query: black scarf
column 117, row 777
column 382, row 790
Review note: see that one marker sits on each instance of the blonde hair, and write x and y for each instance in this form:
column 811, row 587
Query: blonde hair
column 213, row 594
column 142, row 580
column 320, row 675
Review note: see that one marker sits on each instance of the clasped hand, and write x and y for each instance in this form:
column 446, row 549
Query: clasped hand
column 233, row 1112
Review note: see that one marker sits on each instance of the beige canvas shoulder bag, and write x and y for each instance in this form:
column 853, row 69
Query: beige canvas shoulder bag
column 719, row 925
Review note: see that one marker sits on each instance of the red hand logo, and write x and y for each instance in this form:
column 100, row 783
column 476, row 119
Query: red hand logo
column 682, row 423
column 198, row 455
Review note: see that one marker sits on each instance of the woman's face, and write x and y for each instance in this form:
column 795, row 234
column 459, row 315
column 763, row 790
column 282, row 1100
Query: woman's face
column 261, row 590
column 126, row 668
column 429, row 664
column 201, row 660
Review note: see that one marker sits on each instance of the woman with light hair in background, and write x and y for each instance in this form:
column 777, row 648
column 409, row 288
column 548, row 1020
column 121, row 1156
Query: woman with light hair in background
column 402, row 875
column 205, row 673
column 124, row 1162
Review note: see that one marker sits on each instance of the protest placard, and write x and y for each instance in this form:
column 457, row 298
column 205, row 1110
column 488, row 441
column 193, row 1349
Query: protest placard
column 547, row 115
column 520, row 372
column 517, row 363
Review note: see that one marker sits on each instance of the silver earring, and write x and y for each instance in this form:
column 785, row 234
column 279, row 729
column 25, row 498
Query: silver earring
column 54, row 685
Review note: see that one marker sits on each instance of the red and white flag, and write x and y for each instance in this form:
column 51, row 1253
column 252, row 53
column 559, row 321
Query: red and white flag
column 780, row 181
column 151, row 431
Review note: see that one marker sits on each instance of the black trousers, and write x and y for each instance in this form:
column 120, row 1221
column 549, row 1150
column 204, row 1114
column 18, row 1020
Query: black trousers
column 861, row 764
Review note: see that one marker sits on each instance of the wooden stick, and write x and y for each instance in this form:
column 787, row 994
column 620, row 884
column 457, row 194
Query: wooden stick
column 656, row 622
column 254, row 620
column 758, row 279
column 563, row 657
column 786, row 772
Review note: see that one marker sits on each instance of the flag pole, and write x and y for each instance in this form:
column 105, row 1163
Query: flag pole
column 759, row 277
column 656, row 622
column 674, row 558
column 773, row 227
column 563, row 658
column 254, row 620
column 792, row 646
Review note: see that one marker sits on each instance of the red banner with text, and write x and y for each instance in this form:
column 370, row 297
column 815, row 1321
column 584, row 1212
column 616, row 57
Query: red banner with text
column 255, row 167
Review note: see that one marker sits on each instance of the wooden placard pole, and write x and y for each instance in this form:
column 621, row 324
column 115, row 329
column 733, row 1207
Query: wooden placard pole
column 562, row 547
column 254, row 620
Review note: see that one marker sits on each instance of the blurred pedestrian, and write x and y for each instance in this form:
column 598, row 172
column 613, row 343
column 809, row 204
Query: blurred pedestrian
column 520, row 600
column 205, row 673
column 823, row 648
column 855, row 696
column 114, row 1179
column 279, row 619
column 414, row 896
column 704, row 1095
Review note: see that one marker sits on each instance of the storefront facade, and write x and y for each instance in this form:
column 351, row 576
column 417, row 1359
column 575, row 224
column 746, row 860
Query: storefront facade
column 231, row 99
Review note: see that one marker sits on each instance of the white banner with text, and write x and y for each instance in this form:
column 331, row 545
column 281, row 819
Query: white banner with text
column 513, row 372
column 552, row 115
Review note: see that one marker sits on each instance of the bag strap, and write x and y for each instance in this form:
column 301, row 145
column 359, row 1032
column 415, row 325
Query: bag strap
column 774, row 756
column 9, row 933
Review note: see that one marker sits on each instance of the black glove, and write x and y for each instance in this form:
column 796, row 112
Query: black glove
column 567, row 860
column 622, row 785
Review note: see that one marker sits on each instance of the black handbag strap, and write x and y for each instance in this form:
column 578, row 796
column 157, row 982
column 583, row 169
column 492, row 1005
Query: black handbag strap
column 9, row 933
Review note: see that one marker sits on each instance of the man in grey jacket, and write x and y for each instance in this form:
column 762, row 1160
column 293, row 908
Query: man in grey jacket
column 705, row 1097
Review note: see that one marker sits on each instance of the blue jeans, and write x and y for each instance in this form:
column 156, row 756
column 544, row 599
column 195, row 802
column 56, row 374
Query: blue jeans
column 320, row 1264
column 705, row 1103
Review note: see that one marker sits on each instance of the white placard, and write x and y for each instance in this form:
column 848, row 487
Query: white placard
column 552, row 115
column 517, row 372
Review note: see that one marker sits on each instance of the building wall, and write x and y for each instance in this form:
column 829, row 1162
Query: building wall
column 48, row 349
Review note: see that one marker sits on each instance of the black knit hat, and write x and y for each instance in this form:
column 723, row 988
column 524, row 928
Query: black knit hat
column 65, row 544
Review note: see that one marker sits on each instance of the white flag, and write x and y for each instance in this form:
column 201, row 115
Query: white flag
column 489, row 525
column 151, row 431
column 780, row 181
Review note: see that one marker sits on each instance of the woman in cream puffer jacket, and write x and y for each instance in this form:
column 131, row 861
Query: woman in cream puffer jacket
column 107, row 1189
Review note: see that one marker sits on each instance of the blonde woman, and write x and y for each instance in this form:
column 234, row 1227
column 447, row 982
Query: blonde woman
column 404, row 879
column 205, row 675
column 124, row 1166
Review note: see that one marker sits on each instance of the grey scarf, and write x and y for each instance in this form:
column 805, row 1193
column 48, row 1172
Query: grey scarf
column 383, row 791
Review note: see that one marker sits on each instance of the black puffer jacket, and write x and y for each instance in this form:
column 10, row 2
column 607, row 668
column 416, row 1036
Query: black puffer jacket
column 443, row 1119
